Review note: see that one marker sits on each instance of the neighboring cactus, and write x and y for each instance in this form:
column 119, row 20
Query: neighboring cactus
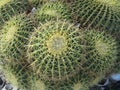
column 52, row 10
column 55, row 50
column 103, row 14
column 14, row 36
column 101, row 51
column 9, row 8
column 14, row 74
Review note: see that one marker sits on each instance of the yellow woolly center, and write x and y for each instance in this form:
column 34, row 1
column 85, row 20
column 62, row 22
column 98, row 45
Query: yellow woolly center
column 57, row 44
column 102, row 48
column 3, row 2
column 77, row 86
column 51, row 12
column 39, row 85
column 108, row 2
column 10, row 33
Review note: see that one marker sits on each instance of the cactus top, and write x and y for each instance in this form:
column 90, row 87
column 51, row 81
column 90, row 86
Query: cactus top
column 3, row 2
column 54, row 50
column 52, row 10
column 109, row 2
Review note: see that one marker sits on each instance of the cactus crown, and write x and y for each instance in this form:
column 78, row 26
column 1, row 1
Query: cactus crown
column 102, row 48
column 57, row 44
column 52, row 10
column 3, row 2
column 10, row 33
column 55, row 50
column 109, row 2
column 77, row 86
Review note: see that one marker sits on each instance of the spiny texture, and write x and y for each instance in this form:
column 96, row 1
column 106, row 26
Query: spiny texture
column 9, row 8
column 77, row 82
column 101, row 51
column 103, row 14
column 35, row 83
column 14, row 74
column 52, row 10
column 37, row 2
column 14, row 35
column 55, row 50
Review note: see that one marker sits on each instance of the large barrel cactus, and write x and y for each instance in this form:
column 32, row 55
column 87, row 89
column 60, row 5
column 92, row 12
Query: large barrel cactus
column 103, row 14
column 55, row 50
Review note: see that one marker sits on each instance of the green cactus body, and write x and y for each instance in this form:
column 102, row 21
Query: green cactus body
column 36, row 83
column 54, row 50
column 103, row 14
column 14, row 75
column 52, row 10
column 14, row 35
column 9, row 8
column 37, row 3
column 77, row 82
column 101, row 51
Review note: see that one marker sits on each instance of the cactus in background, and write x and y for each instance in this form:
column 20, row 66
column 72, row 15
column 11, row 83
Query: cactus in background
column 52, row 10
column 9, row 8
column 14, row 36
column 101, row 51
column 103, row 14
column 55, row 50
column 15, row 74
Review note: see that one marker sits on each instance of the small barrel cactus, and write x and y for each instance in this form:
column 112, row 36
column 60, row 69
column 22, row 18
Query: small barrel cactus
column 101, row 51
column 103, row 14
column 14, row 35
column 55, row 50
column 52, row 10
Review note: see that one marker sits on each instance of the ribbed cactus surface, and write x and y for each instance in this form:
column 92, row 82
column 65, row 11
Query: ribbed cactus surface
column 103, row 14
column 55, row 50
column 59, row 44
column 9, row 8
